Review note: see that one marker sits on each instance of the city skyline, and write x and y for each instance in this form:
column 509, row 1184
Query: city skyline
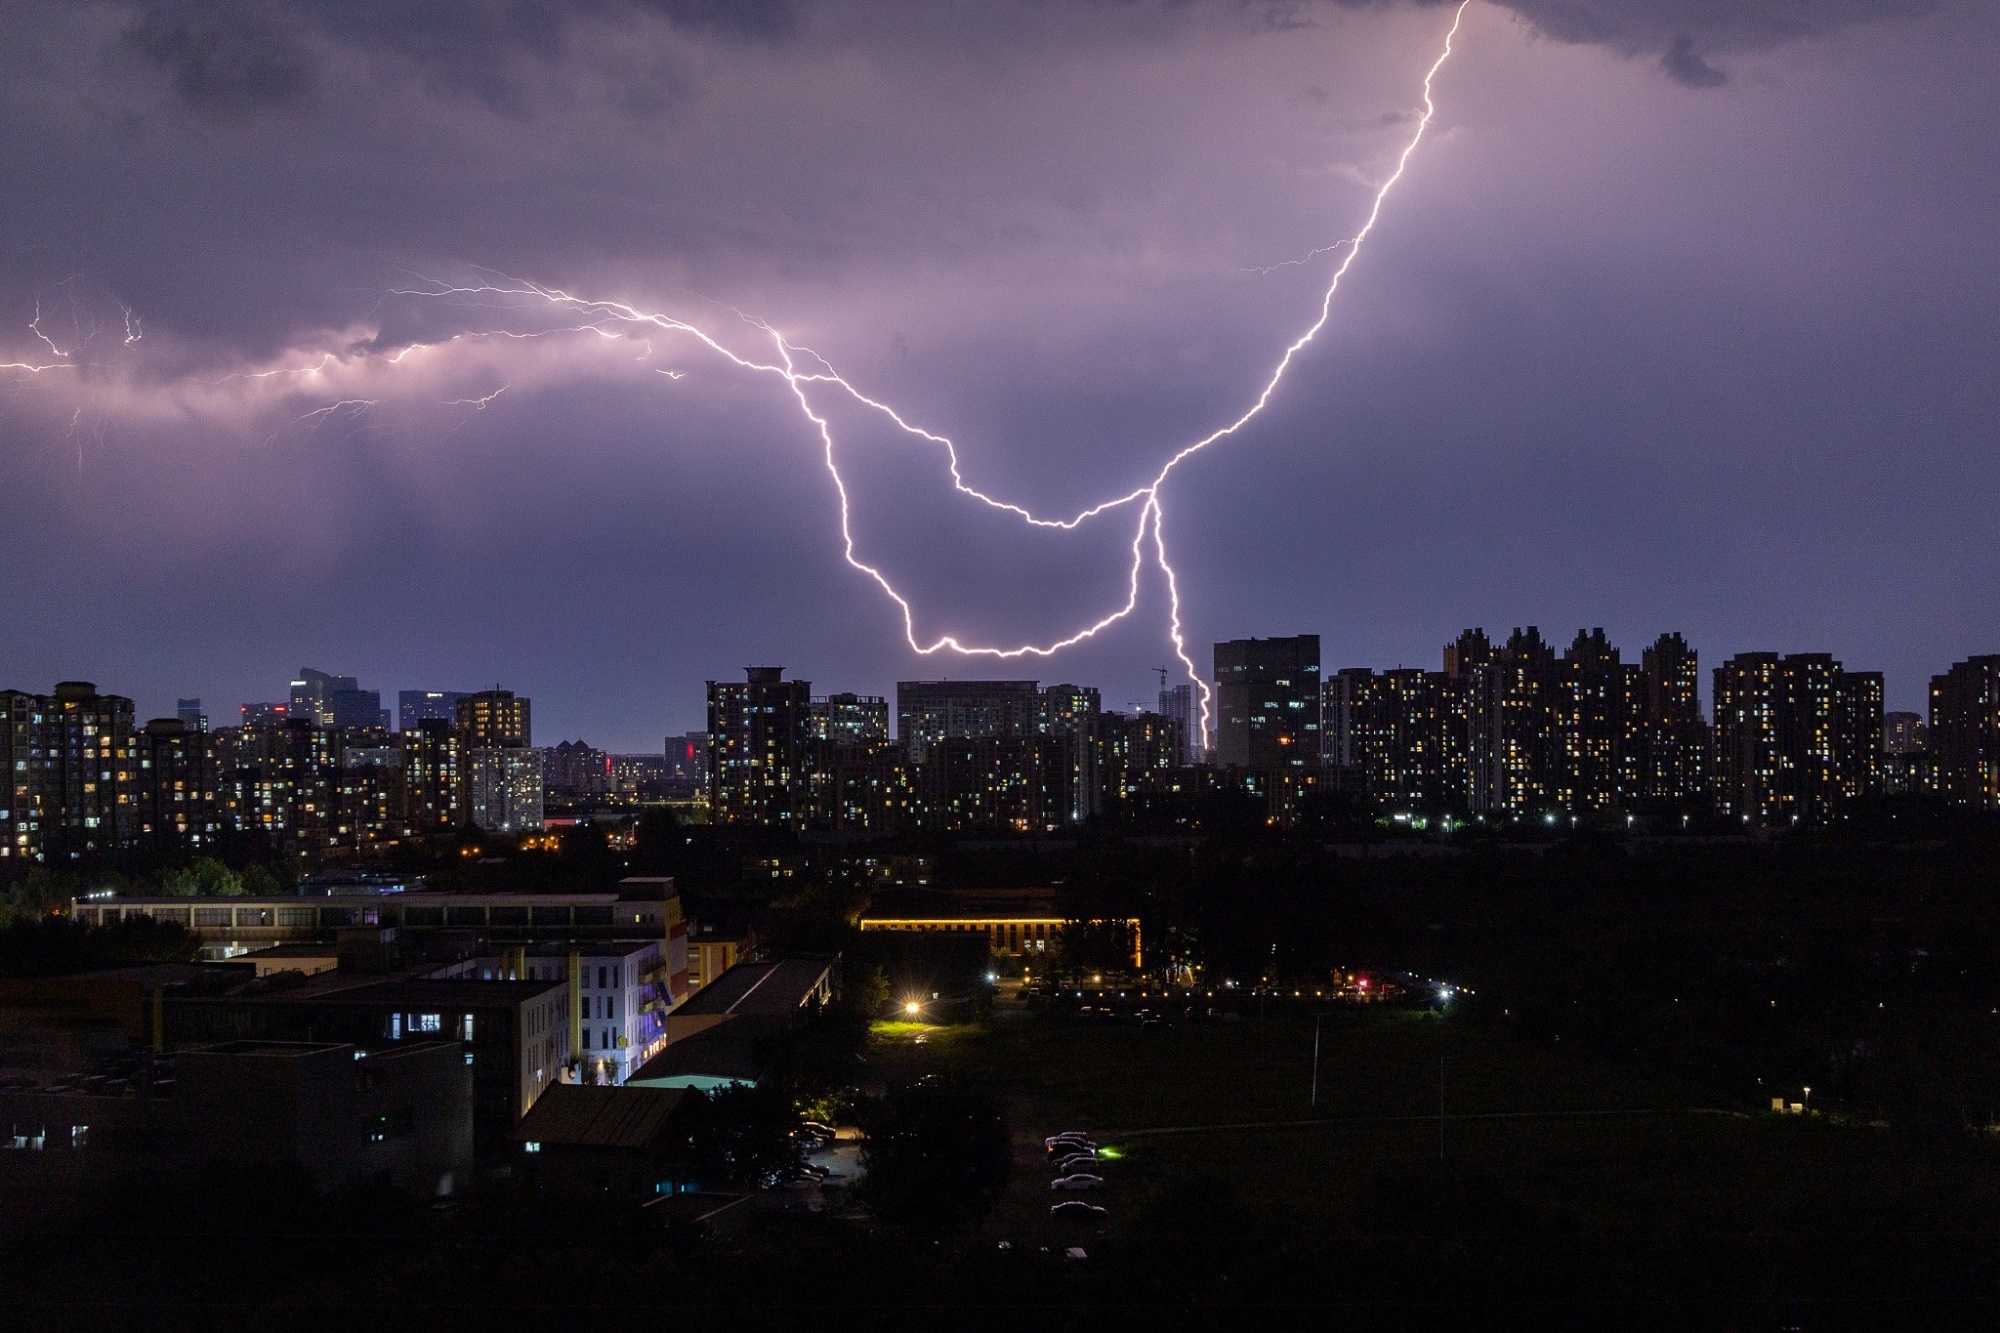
column 622, row 736
column 1682, row 325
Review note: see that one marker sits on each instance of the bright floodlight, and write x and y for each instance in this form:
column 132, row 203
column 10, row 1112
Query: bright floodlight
column 912, row 1007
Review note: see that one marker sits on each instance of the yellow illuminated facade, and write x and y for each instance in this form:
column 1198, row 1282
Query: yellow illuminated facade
column 1007, row 936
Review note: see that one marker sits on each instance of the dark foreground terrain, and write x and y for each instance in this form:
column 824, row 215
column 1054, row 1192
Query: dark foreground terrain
column 1555, row 1191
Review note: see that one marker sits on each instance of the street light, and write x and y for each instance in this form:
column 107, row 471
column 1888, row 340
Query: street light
column 912, row 1007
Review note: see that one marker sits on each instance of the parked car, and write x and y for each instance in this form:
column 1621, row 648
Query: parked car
column 1064, row 1145
column 1075, row 1161
column 1076, row 1210
column 1080, row 1181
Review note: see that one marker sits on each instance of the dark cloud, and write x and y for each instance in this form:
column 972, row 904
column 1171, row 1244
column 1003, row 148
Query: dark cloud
column 1679, row 30
column 1684, row 65
column 222, row 58
column 232, row 56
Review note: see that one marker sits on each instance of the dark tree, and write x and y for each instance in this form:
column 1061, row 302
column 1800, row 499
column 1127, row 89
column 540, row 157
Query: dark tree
column 739, row 1135
column 937, row 1154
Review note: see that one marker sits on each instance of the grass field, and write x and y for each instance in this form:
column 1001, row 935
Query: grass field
column 1534, row 1142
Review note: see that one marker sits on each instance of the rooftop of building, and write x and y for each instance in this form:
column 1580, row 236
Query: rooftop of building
column 1030, row 904
column 275, row 1050
column 726, row 1053
column 781, row 987
column 605, row 948
column 585, row 1116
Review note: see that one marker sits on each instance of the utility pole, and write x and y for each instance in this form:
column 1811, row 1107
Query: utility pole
column 1440, row 1108
column 1315, row 1083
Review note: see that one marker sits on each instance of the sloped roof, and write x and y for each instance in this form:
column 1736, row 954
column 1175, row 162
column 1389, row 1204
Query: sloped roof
column 780, row 988
column 585, row 1116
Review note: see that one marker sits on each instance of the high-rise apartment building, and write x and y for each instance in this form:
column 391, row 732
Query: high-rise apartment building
column 929, row 711
column 864, row 786
column 1965, row 732
column 848, row 719
column 1675, row 745
column 1384, row 733
column 1904, row 733
column 1071, row 714
column 575, row 770
column 1796, row 737
column 1177, row 705
column 1511, row 739
column 1019, row 783
column 760, row 750
column 1137, row 752
column 494, row 720
column 1267, row 694
column 72, row 788
column 1595, row 703
column 189, row 711
column 20, row 812
column 176, row 783
column 503, row 788
column 432, row 788
column 414, row 706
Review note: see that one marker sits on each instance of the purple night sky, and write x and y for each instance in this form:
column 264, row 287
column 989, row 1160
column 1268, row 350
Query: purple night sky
column 1685, row 316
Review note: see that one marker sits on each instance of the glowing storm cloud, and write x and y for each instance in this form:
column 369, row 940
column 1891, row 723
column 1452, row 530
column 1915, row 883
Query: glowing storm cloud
column 806, row 372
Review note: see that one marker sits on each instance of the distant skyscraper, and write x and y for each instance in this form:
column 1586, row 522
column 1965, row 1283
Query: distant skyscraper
column 335, row 701
column 312, row 694
column 1071, row 713
column 760, row 750
column 494, row 719
column 1138, row 752
column 190, row 713
column 928, row 711
column 1177, row 705
column 1965, row 732
column 414, row 706
column 1268, row 703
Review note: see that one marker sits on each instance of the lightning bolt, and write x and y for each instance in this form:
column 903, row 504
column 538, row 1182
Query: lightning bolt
column 801, row 368
column 805, row 372
column 479, row 404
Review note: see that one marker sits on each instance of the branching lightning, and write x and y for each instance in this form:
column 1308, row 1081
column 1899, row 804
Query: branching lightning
column 806, row 373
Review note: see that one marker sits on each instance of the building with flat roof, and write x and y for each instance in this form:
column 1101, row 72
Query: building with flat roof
column 414, row 706
column 1024, row 924
column 930, row 711
column 721, row 1035
column 343, row 1115
column 620, row 993
column 512, row 1035
column 228, row 927
column 1267, row 694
